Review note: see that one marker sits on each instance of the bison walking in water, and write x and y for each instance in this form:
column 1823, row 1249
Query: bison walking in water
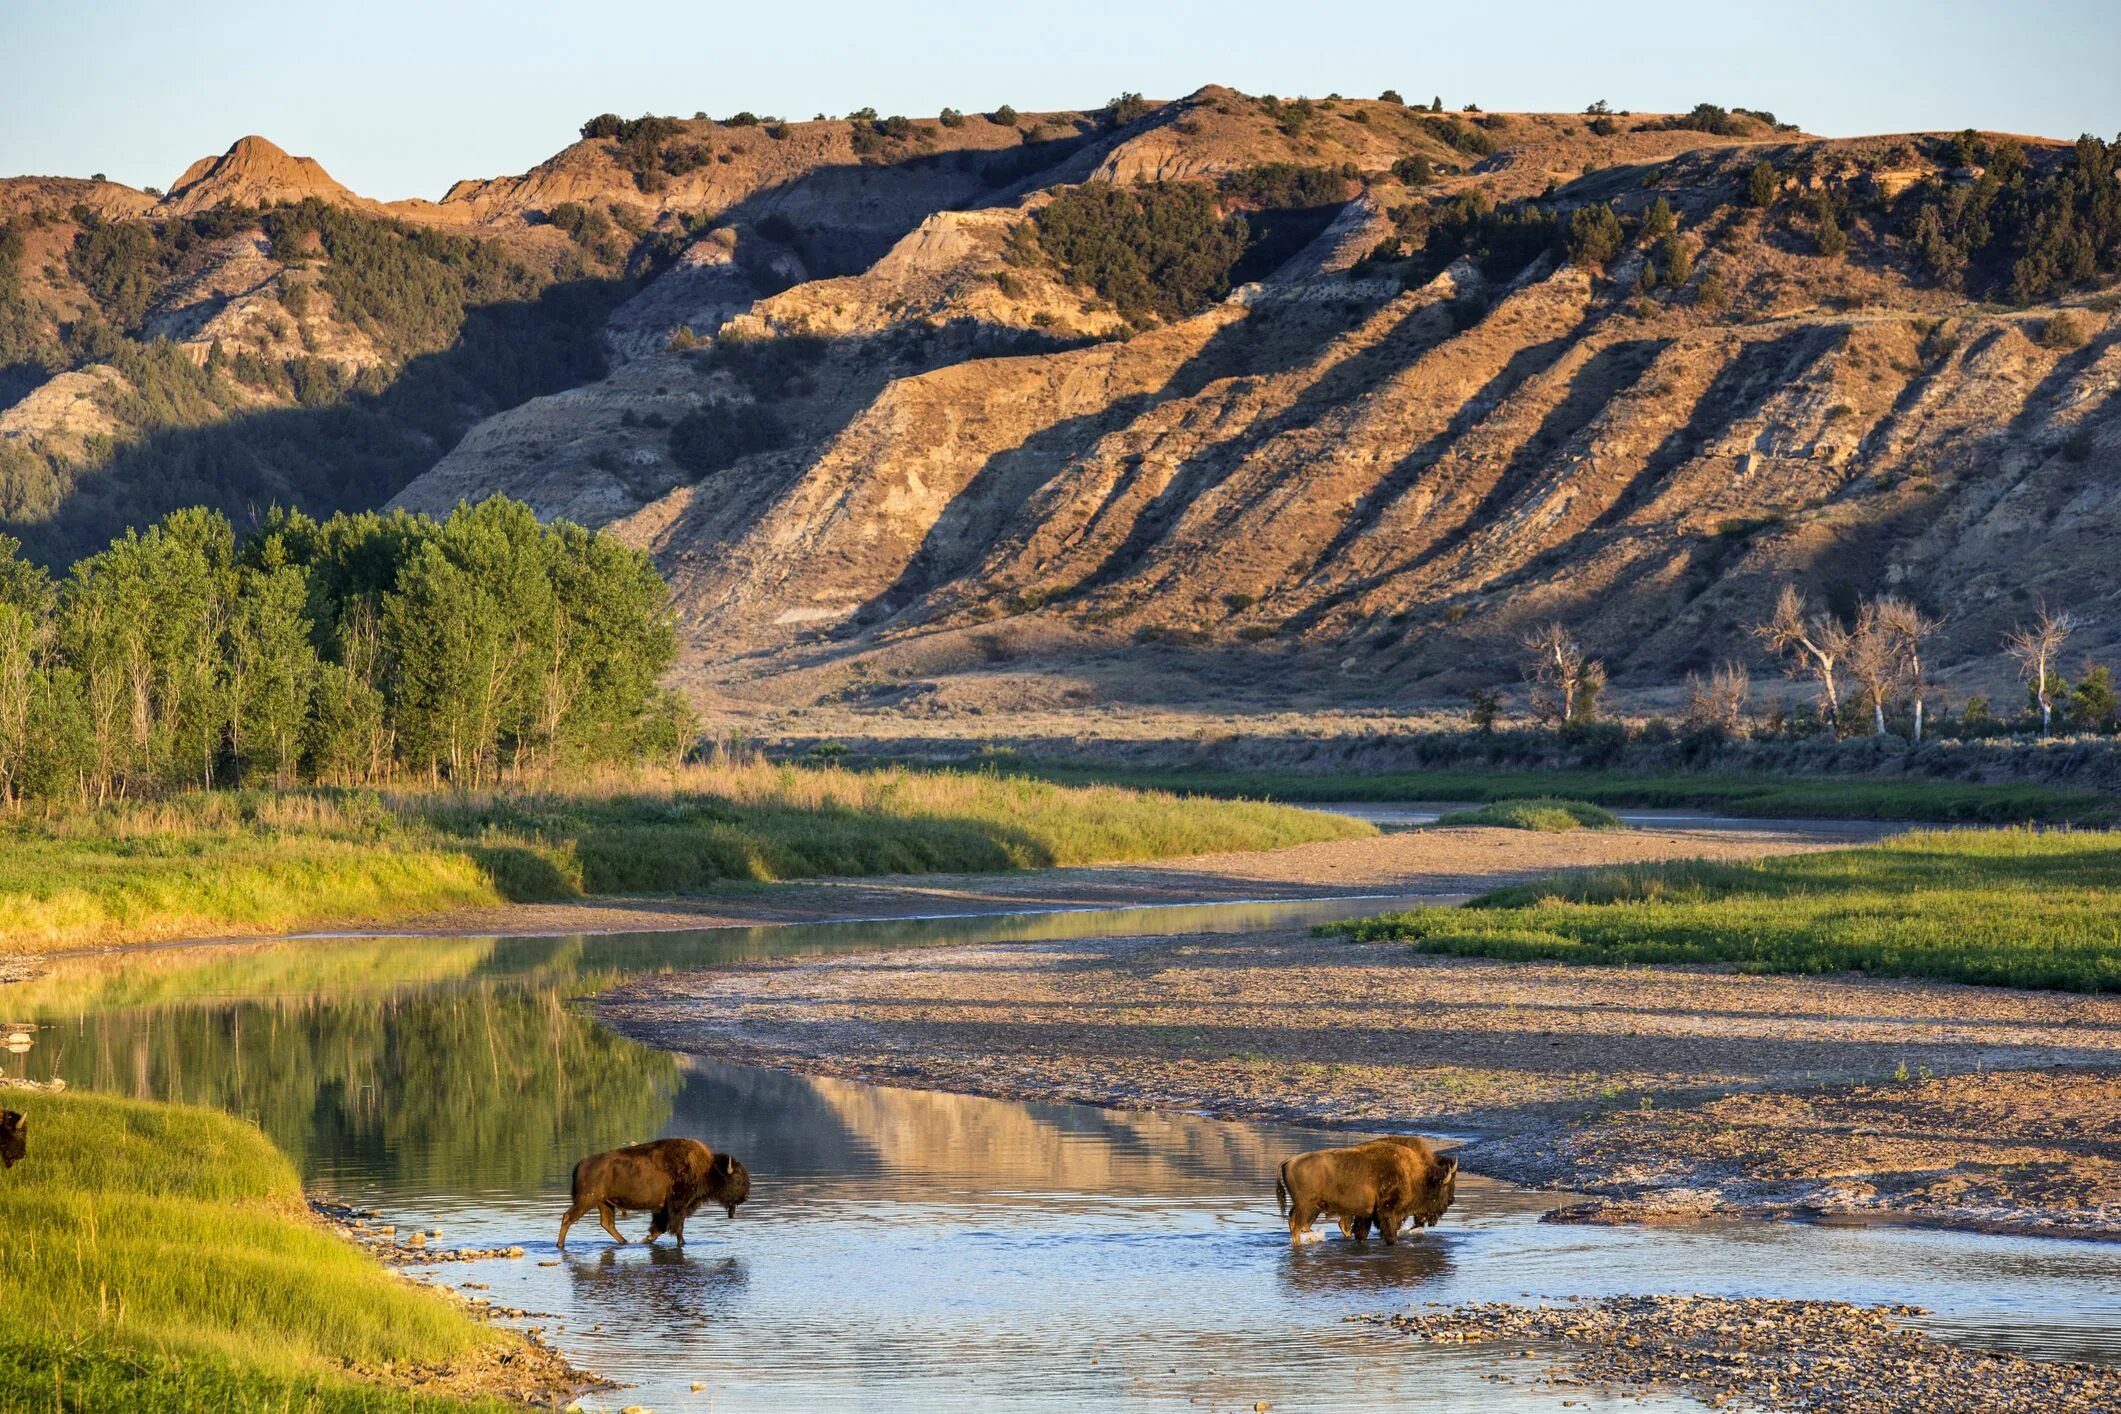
column 670, row 1178
column 14, row 1137
column 1383, row 1182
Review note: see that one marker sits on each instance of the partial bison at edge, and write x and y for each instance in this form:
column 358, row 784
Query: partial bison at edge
column 1383, row 1182
column 670, row 1178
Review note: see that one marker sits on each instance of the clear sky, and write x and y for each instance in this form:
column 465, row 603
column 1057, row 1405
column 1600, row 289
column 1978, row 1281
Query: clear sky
column 401, row 97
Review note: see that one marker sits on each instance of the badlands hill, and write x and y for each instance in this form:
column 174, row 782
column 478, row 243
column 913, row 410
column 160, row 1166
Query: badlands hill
column 1288, row 399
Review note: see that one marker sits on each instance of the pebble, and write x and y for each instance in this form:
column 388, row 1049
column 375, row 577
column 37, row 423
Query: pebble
column 1768, row 1354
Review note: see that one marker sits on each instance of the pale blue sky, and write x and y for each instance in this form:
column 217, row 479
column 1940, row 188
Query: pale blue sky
column 401, row 97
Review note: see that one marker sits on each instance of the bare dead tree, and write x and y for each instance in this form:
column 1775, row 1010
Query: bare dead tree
column 2035, row 647
column 1815, row 645
column 1905, row 627
column 1874, row 662
column 1565, row 683
column 1721, row 700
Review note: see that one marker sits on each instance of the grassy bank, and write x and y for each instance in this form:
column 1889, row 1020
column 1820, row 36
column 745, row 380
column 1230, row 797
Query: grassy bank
column 1543, row 813
column 215, row 863
column 161, row 1257
column 1823, row 798
column 2005, row 907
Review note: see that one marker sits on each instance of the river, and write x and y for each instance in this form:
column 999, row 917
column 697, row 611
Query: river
column 906, row 1249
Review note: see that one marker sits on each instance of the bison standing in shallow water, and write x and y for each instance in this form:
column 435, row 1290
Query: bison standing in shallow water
column 1384, row 1182
column 669, row 1177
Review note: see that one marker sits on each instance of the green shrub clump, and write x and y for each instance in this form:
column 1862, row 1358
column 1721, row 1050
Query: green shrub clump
column 1545, row 813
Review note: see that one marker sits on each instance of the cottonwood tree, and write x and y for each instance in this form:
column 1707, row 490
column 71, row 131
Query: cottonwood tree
column 271, row 669
column 1565, row 683
column 1815, row 645
column 25, row 605
column 1719, row 702
column 2036, row 647
column 1904, row 628
column 1874, row 662
column 463, row 631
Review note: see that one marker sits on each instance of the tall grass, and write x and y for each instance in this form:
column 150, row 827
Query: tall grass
column 2005, row 907
column 160, row 1257
column 215, row 863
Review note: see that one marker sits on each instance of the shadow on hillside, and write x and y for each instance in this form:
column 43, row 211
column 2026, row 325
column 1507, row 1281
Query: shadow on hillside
column 350, row 453
column 356, row 451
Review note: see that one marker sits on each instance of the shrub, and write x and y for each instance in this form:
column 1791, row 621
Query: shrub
column 1462, row 137
column 1594, row 235
column 744, row 119
column 1414, row 171
column 717, row 436
column 1391, row 95
column 2062, row 331
column 1676, row 261
column 1125, row 109
column 1004, row 116
column 951, row 118
column 1761, row 184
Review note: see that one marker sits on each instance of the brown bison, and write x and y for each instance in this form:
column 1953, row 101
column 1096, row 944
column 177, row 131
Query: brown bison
column 1383, row 1182
column 669, row 1177
column 14, row 1137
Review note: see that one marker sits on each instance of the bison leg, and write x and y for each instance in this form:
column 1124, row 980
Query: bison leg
column 677, row 1227
column 1388, row 1227
column 658, row 1225
column 567, row 1220
column 1361, row 1228
column 605, row 1215
column 1302, row 1213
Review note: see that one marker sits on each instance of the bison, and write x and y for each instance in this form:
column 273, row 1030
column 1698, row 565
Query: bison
column 14, row 1137
column 1383, row 1182
column 669, row 1177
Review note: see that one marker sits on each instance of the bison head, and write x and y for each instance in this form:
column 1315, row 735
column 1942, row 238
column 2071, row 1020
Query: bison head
column 14, row 1137
column 1442, row 1189
column 728, row 1182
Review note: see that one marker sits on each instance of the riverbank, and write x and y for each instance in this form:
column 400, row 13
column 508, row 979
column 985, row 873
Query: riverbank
column 1839, row 1096
column 236, row 864
column 1759, row 1354
column 1452, row 863
column 251, row 1305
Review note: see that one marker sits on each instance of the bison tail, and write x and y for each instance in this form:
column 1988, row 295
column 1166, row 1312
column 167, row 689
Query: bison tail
column 1281, row 1189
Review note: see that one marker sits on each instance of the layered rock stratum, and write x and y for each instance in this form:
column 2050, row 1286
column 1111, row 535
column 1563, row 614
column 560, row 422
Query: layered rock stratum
column 1366, row 469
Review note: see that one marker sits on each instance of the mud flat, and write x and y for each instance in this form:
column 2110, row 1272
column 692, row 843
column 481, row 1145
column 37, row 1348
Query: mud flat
column 1665, row 1094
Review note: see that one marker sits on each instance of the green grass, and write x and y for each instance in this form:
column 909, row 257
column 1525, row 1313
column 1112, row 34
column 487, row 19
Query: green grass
column 2004, row 907
column 1835, row 798
column 217, row 863
column 1544, row 813
column 160, row 1257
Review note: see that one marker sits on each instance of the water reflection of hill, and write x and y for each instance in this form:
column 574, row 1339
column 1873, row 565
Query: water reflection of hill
column 793, row 1124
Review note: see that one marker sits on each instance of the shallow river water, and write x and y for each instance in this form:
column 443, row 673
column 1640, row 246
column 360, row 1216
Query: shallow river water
column 907, row 1249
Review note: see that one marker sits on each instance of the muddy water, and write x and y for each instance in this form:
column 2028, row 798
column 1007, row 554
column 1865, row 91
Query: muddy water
column 907, row 1249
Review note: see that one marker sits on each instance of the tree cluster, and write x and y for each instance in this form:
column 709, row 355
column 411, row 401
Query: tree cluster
column 1160, row 250
column 346, row 651
column 2024, row 230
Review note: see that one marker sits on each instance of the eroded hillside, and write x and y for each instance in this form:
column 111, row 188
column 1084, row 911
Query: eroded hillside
column 1332, row 397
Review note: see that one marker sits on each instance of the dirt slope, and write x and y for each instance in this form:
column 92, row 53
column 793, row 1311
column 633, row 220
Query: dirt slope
column 875, row 437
